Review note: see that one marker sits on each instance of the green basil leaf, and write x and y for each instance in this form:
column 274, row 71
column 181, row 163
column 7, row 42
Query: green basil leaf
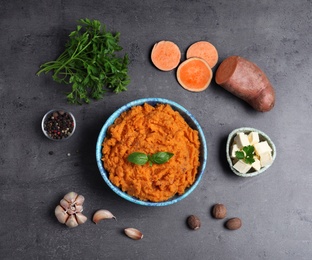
column 138, row 158
column 161, row 157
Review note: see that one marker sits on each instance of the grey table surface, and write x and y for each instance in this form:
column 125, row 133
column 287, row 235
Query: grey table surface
column 275, row 207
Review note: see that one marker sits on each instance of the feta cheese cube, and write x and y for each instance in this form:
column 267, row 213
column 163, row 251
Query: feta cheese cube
column 241, row 140
column 241, row 166
column 262, row 147
column 234, row 149
column 266, row 159
column 253, row 138
column 256, row 165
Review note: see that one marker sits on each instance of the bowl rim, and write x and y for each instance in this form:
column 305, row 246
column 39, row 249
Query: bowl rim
column 248, row 130
column 50, row 112
column 154, row 101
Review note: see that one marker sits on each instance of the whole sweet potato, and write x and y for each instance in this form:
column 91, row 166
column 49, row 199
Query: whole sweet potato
column 247, row 81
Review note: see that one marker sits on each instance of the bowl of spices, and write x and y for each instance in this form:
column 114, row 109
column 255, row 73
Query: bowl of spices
column 58, row 124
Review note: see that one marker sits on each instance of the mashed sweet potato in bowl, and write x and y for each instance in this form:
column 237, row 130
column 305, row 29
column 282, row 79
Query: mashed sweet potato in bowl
column 152, row 126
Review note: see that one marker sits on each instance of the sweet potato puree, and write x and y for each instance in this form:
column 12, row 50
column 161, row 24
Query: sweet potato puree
column 149, row 130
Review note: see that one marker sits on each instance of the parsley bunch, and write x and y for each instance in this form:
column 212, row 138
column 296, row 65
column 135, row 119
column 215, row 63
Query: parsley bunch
column 89, row 63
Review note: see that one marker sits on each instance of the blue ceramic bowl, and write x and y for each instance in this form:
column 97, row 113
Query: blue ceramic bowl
column 262, row 137
column 189, row 118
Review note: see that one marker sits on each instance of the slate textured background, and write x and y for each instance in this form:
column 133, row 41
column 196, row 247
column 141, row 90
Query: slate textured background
column 275, row 208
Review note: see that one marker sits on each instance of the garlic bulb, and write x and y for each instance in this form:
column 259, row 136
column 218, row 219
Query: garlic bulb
column 69, row 210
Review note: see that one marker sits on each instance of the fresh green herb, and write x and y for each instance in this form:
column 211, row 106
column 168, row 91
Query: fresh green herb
column 138, row 158
column 142, row 158
column 161, row 157
column 247, row 154
column 89, row 63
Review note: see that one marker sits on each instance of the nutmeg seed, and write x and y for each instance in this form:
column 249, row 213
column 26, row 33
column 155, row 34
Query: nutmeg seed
column 233, row 223
column 193, row 222
column 219, row 211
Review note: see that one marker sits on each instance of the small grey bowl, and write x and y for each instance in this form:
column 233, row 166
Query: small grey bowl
column 262, row 137
column 46, row 118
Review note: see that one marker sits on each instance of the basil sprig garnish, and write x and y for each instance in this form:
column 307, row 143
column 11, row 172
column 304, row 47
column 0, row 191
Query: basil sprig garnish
column 161, row 157
column 142, row 158
column 138, row 158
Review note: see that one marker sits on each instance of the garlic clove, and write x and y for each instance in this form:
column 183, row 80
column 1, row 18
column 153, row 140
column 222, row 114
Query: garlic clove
column 102, row 214
column 81, row 218
column 60, row 214
column 79, row 200
column 71, row 222
column 65, row 204
column 78, row 208
column 133, row 233
column 71, row 196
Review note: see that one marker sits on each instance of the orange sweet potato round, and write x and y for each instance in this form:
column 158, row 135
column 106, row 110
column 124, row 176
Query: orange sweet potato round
column 166, row 55
column 194, row 74
column 204, row 50
column 247, row 81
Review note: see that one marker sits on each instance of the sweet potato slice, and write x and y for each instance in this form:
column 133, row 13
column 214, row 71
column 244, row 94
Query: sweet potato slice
column 247, row 81
column 204, row 50
column 166, row 55
column 194, row 74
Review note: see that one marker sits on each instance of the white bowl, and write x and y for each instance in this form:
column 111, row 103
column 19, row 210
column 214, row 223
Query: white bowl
column 262, row 137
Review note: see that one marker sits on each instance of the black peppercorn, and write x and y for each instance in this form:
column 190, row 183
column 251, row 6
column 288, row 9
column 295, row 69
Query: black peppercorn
column 59, row 125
